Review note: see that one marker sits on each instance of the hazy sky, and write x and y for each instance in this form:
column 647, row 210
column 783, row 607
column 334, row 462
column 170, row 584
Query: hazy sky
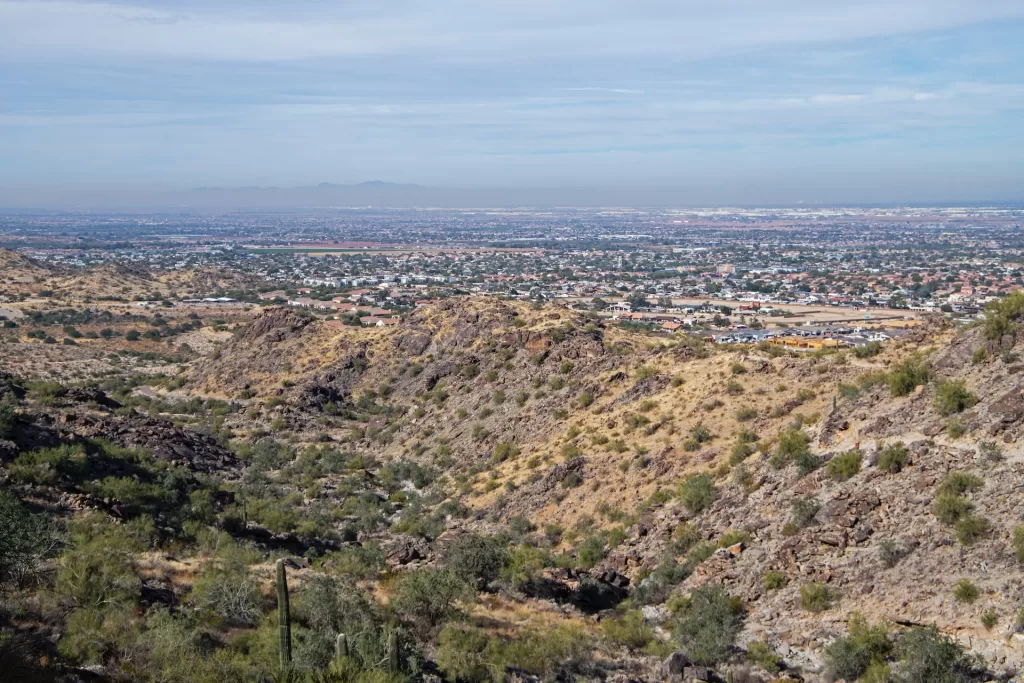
column 724, row 100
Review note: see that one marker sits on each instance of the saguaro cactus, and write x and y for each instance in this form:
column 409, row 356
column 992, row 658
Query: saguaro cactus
column 393, row 652
column 284, row 621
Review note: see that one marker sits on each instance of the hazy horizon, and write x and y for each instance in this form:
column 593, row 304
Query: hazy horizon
column 128, row 103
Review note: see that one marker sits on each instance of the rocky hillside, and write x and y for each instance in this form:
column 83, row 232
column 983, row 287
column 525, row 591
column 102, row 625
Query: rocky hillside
column 662, row 507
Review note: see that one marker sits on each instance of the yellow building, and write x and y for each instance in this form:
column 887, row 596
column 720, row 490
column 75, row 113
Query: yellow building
column 808, row 343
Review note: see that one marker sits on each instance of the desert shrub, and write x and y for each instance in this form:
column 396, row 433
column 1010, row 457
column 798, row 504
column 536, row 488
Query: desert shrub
column 955, row 428
column 989, row 619
column 96, row 577
column 226, row 591
column 552, row 654
column 907, row 375
column 462, row 653
column 850, row 656
column 524, row 565
column 430, row 597
column 774, row 580
column 893, row 458
column 504, row 450
column 806, row 462
column 792, row 442
column 952, row 397
column 739, row 452
column 628, row 630
column 804, row 510
column 869, row 350
column 700, row 434
column 698, row 492
column 890, row 552
column 817, row 597
column 477, row 559
column 990, row 450
column 572, row 480
column 359, row 562
column 708, row 624
column 733, row 388
column 927, row 656
column 27, row 539
column 1001, row 316
column 1017, row 543
column 746, row 413
column 958, row 483
column 645, row 372
column 327, row 606
column 844, row 465
column 966, row 591
column 761, row 654
column 848, row 391
column 970, row 529
column 585, row 399
column 732, row 537
column 950, row 508
column 8, row 419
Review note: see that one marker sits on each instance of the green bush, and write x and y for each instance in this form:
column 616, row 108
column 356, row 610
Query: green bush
column 989, row 619
column 849, row 657
column 462, row 653
column 927, row 656
column 966, row 591
column 955, row 428
column 429, row 597
column 971, row 528
column 8, row 419
column 792, row 442
column 952, row 397
column 628, row 630
column 957, row 483
column 226, row 591
column 746, row 413
column 27, row 539
column 774, row 580
column 1018, row 543
column 761, row 654
column 504, row 450
column 817, row 597
column 739, row 452
column 806, row 462
column 893, row 458
column 1001, row 316
column 804, row 510
column 844, row 465
column 477, row 559
column 708, row 624
column 950, row 508
column 906, row 376
column 698, row 492
column 869, row 350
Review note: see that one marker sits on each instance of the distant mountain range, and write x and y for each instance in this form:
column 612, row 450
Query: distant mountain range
column 379, row 193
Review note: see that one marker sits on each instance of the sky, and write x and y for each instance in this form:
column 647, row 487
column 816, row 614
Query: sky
column 730, row 101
